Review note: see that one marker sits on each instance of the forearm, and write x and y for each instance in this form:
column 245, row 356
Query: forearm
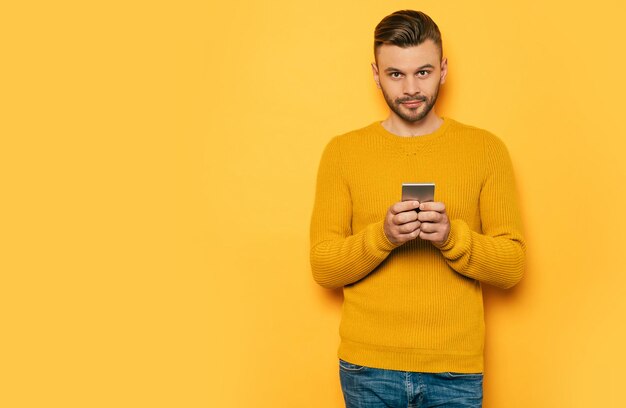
column 339, row 261
column 494, row 259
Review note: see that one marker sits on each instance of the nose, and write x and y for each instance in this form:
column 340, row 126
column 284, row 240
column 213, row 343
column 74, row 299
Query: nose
column 410, row 86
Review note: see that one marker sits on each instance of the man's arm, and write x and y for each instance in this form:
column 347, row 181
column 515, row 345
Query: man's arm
column 497, row 255
column 339, row 257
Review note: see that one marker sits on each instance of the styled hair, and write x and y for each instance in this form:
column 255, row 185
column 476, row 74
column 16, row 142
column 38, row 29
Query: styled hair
column 406, row 28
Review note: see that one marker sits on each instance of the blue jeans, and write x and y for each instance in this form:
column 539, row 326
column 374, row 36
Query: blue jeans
column 365, row 387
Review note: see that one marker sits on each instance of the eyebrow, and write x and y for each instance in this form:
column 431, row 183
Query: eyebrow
column 392, row 69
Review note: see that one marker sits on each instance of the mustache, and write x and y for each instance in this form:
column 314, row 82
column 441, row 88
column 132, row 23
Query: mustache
column 421, row 98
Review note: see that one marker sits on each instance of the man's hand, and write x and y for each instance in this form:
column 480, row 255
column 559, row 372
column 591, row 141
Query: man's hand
column 435, row 226
column 401, row 224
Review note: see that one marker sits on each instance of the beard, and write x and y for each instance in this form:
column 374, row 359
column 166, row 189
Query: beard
column 411, row 114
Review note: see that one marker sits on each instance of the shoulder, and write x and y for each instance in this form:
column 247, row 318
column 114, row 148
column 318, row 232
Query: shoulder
column 470, row 131
column 352, row 141
column 356, row 135
column 473, row 134
column 343, row 141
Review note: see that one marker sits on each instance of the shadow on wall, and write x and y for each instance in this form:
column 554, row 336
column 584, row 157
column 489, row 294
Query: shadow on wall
column 330, row 297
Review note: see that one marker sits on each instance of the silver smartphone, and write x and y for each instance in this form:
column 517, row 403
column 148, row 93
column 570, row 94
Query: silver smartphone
column 421, row 192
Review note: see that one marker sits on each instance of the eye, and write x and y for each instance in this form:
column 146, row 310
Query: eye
column 395, row 75
column 423, row 73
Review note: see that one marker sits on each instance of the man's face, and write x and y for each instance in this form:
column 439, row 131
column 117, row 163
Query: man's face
column 410, row 78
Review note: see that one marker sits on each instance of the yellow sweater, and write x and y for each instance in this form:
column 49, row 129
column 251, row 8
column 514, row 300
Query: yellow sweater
column 415, row 307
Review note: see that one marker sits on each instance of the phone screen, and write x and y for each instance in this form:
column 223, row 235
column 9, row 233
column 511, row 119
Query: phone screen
column 421, row 192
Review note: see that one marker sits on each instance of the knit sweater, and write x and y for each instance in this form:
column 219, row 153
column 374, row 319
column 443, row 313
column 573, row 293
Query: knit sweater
column 415, row 307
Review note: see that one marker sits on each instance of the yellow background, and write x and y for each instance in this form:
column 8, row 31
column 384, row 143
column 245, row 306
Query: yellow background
column 157, row 170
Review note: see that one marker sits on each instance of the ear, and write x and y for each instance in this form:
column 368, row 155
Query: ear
column 376, row 76
column 444, row 70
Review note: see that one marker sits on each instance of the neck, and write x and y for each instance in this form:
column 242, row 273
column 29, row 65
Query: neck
column 401, row 127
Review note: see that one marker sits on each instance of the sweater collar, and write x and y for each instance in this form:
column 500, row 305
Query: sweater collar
column 379, row 129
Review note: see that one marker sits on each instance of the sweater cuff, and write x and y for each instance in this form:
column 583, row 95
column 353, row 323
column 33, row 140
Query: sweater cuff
column 459, row 239
column 377, row 239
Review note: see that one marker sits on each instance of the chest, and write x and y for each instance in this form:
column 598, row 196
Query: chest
column 458, row 174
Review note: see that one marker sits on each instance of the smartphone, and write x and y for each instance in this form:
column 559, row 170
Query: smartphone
column 421, row 192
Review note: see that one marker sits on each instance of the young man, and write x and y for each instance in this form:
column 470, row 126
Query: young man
column 412, row 327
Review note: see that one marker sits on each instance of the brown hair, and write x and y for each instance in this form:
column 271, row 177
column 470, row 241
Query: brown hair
column 406, row 28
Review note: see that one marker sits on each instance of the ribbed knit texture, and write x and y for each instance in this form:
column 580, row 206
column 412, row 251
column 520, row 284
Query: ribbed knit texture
column 415, row 307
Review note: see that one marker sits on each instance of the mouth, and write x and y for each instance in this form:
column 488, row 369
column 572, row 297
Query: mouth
column 412, row 104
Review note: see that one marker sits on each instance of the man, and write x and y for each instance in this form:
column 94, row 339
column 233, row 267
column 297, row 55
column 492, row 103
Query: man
column 412, row 326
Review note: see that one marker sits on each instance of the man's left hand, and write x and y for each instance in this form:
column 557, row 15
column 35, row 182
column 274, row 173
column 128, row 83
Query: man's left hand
column 435, row 225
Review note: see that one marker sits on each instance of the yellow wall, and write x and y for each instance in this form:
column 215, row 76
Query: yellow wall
column 158, row 167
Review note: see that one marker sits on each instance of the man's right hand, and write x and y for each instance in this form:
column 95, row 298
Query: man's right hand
column 401, row 224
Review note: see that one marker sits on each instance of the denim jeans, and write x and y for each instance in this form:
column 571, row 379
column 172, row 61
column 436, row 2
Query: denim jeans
column 365, row 387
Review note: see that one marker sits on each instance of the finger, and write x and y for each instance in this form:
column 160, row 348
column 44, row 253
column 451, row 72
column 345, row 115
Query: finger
column 403, row 206
column 404, row 217
column 429, row 227
column 429, row 216
column 409, row 236
column 409, row 227
column 433, row 206
column 430, row 236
